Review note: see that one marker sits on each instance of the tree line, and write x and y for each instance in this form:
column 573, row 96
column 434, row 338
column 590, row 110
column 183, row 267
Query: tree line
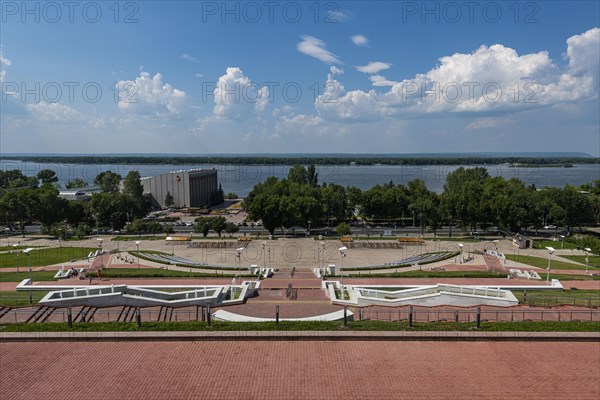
column 37, row 198
column 471, row 200
column 390, row 159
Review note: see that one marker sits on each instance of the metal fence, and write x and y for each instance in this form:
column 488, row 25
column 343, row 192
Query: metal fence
column 446, row 314
column 419, row 314
column 554, row 301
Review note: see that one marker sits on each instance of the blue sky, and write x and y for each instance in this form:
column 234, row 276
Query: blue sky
column 285, row 77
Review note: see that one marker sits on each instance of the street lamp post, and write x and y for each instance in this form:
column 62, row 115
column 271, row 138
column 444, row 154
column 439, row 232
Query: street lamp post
column 322, row 258
column 461, row 253
column 101, row 250
column 26, row 251
column 587, row 259
column 550, row 251
column 562, row 241
column 309, row 222
column 263, row 255
column 137, row 245
column 16, row 256
column 239, row 257
column 343, row 253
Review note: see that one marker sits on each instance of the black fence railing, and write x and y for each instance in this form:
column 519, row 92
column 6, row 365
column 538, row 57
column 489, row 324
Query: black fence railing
column 419, row 314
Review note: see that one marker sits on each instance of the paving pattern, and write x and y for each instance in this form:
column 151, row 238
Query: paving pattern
column 299, row 370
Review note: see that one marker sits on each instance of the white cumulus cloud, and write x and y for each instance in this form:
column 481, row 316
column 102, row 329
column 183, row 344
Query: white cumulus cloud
column 379, row 80
column 4, row 62
column 53, row 112
column 188, row 57
column 373, row 67
column 314, row 47
column 492, row 79
column 335, row 70
column 360, row 40
column 237, row 98
column 150, row 95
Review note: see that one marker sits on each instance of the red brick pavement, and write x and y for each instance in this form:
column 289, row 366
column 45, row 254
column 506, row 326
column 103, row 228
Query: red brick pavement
column 299, row 370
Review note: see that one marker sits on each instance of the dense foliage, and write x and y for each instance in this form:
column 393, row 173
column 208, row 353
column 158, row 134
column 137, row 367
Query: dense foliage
column 471, row 199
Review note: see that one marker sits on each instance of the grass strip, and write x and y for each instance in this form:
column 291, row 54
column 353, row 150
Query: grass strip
column 526, row 326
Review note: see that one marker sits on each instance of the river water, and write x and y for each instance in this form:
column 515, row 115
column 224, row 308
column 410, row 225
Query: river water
column 241, row 178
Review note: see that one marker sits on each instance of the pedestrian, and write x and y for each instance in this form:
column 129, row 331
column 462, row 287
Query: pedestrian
column 99, row 275
column 90, row 276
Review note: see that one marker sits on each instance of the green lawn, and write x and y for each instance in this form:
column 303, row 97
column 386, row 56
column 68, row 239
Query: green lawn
column 24, row 274
column 454, row 239
column 594, row 260
column 543, row 262
column 7, row 248
column 44, row 257
column 399, row 266
column 565, row 277
column 432, row 274
column 141, row 255
column 530, row 326
column 585, row 298
column 542, row 244
column 157, row 273
column 18, row 299
column 136, row 238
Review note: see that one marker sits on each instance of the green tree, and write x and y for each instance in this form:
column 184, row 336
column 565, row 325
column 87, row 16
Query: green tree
column 335, row 203
column 47, row 176
column 46, row 206
column 108, row 181
column 7, row 177
column 111, row 209
column 138, row 226
column 298, row 174
column 76, row 212
column 423, row 203
column 217, row 197
column 155, row 227
column 19, row 205
column 218, row 224
column 169, row 201
column 231, row 196
column 133, row 188
column 202, row 225
column 343, row 229
column 83, row 230
column 231, row 228
column 76, row 183
column 267, row 202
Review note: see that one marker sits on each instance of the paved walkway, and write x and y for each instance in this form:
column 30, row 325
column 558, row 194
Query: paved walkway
column 271, row 370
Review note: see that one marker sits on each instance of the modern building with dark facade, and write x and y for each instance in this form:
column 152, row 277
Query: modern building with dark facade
column 191, row 188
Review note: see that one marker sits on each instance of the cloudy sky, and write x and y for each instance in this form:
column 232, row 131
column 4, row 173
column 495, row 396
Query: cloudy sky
column 287, row 77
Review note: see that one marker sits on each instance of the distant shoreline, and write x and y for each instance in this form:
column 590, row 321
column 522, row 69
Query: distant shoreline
column 515, row 162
